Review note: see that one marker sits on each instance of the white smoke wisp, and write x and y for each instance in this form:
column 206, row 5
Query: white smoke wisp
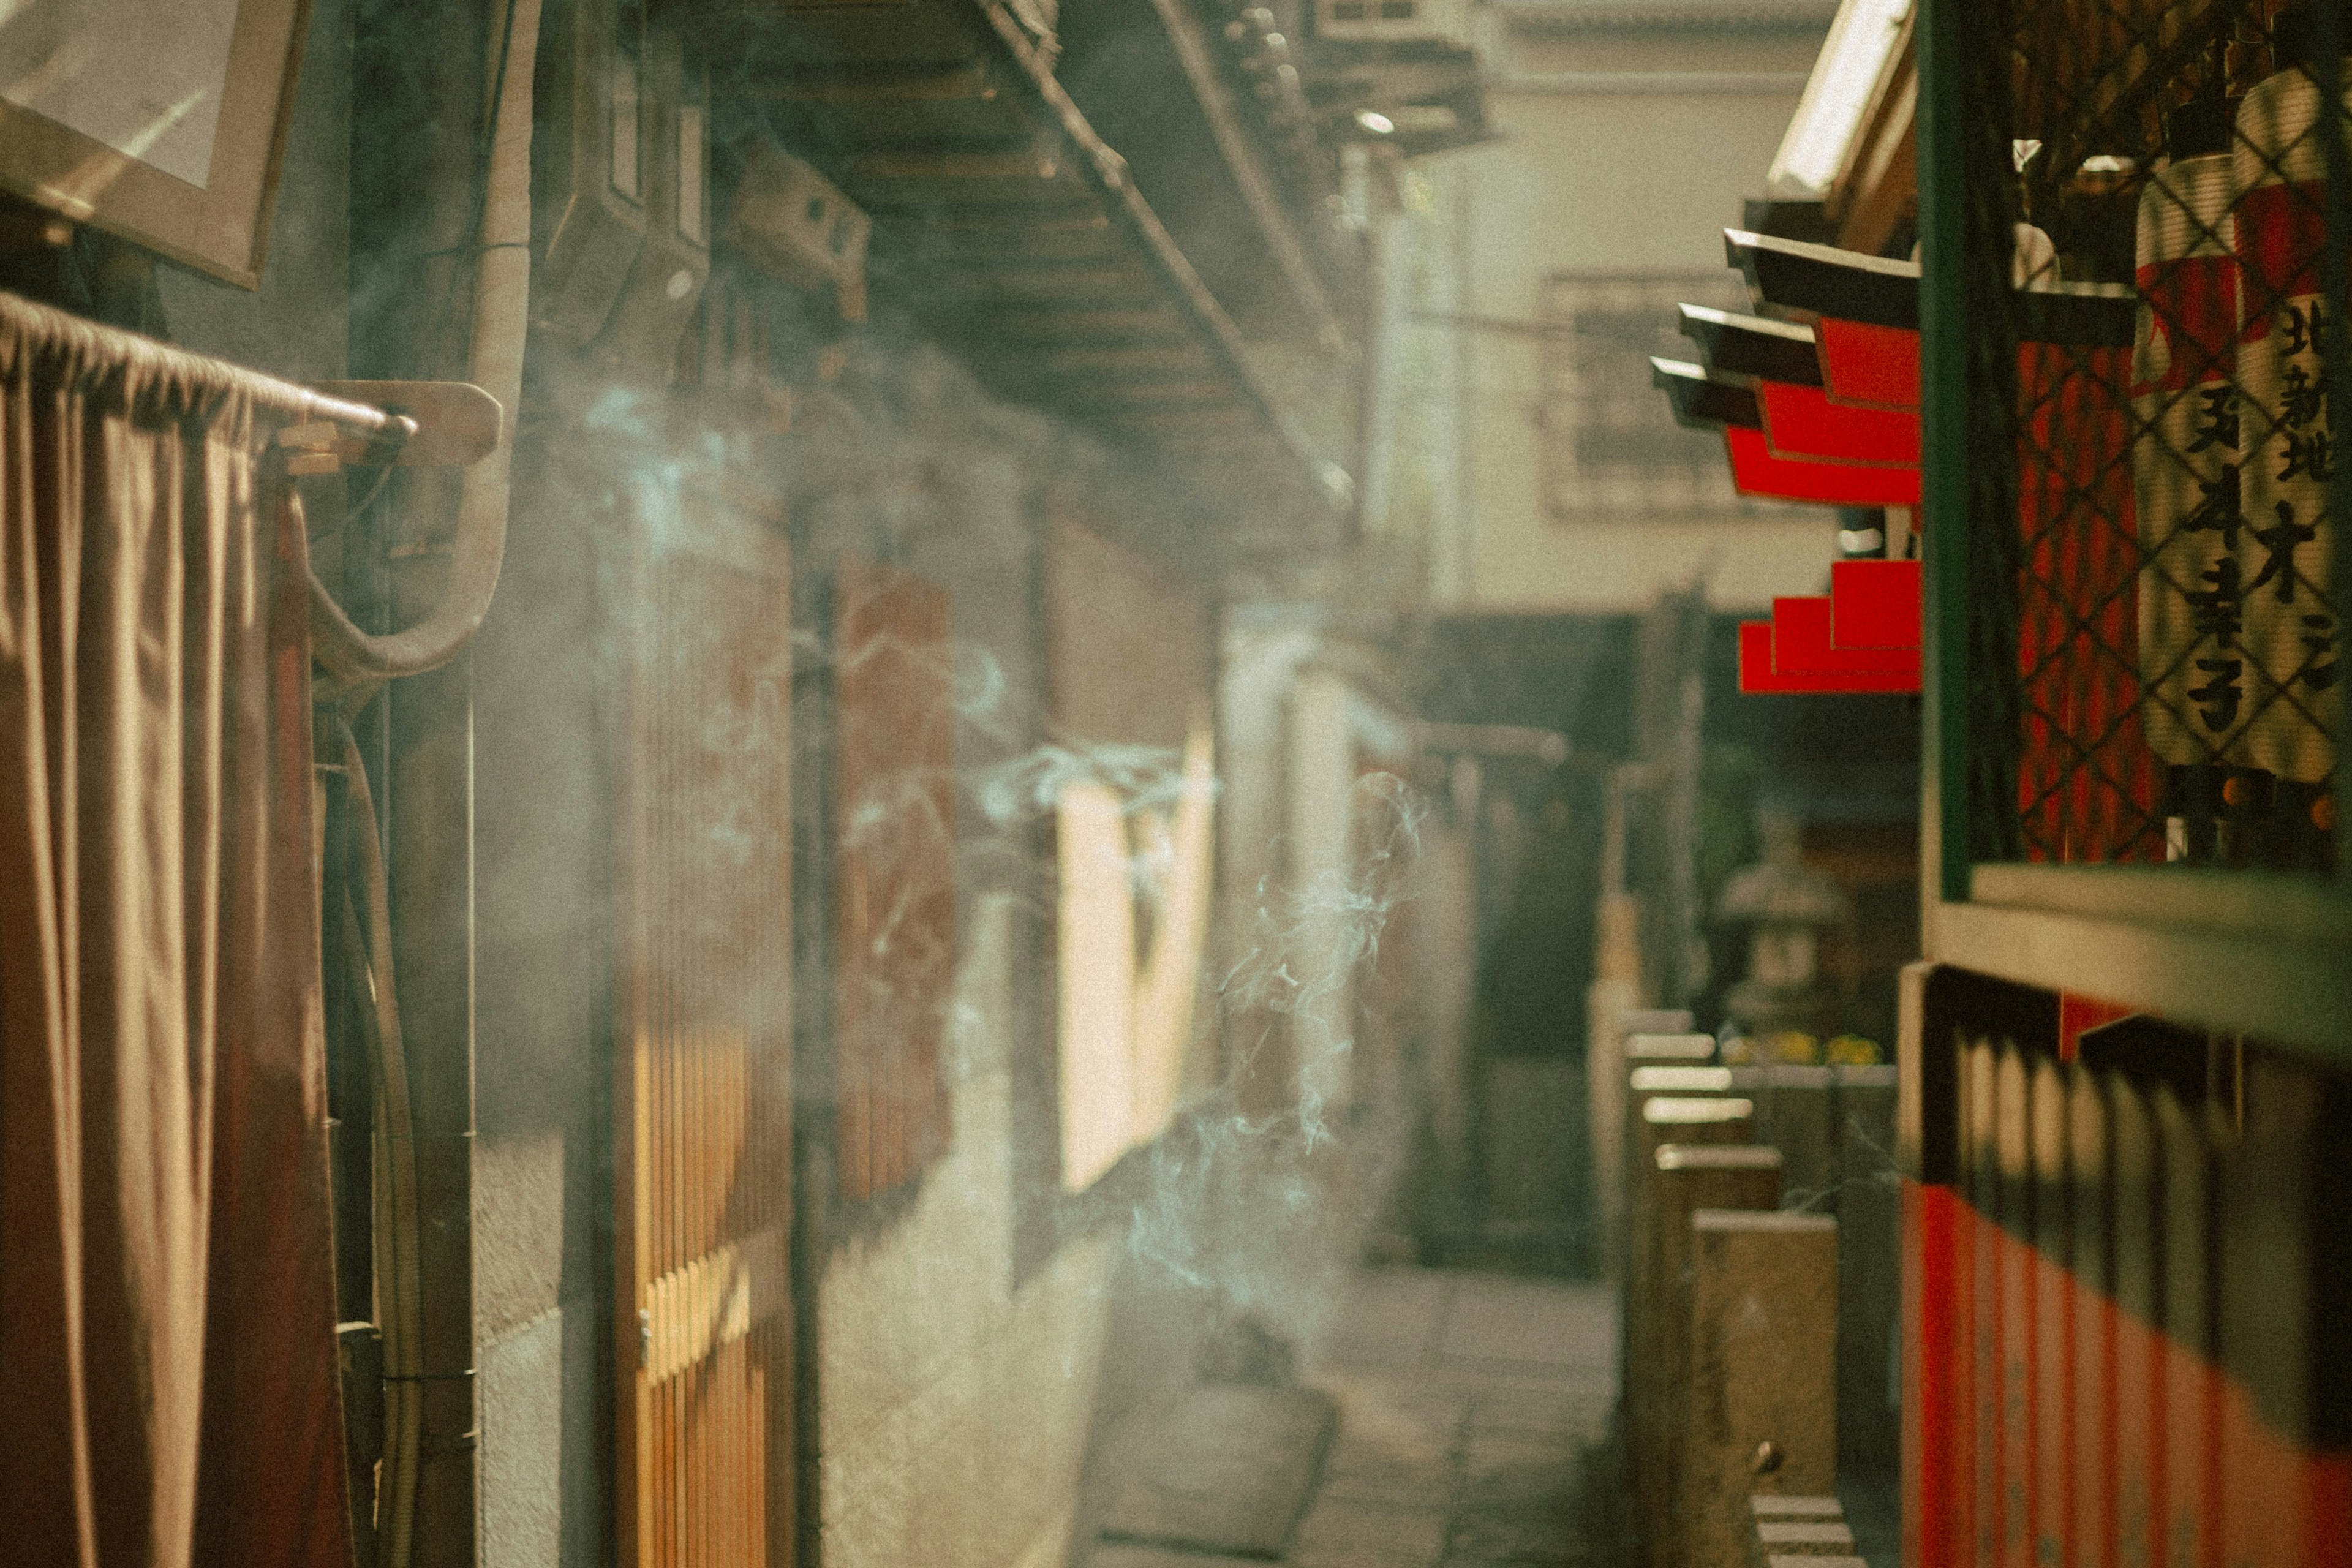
column 1257, row 1210
column 1265, row 1176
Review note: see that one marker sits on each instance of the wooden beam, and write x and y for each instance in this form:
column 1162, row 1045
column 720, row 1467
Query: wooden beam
column 1000, row 239
column 1173, row 359
column 1085, row 325
column 950, row 179
column 1035, row 286
column 1875, row 186
column 930, row 84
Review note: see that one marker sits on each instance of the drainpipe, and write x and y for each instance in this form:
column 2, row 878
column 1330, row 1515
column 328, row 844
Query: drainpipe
column 494, row 363
column 440, row 583
column 432, row 809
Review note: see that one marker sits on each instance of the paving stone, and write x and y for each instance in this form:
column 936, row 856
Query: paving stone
column 1389, row 1317
column 1345, row 1531
column 1390, row 1481
column 1398, row 1420
column 1473, row 1454
column 1529, row 1321
column 1533, row 1531
column 1546, row 1408
column 1109, row 1555
column 1520, row 1469
column 1229, row 1470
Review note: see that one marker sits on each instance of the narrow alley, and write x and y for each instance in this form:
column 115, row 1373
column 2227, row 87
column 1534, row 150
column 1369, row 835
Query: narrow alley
column 1469, row 1407
column 1174, row 783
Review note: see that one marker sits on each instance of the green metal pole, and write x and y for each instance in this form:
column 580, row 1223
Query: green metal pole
column 1941, row 40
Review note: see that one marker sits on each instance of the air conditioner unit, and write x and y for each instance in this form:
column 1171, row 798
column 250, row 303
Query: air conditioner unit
column 1387, row 21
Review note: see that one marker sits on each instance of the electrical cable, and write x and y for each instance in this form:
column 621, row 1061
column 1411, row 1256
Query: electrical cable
column 398, row 1222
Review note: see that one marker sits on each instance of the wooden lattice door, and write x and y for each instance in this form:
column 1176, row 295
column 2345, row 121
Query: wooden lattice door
column 702, row 1088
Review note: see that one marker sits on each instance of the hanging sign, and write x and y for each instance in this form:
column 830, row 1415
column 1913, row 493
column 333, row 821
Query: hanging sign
column 2272, row 624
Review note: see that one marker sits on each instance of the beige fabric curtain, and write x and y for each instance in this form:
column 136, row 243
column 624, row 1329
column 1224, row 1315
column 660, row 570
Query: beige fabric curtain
column 168, row 1393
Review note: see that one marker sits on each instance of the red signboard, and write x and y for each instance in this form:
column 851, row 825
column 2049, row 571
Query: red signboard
column 1760, row 674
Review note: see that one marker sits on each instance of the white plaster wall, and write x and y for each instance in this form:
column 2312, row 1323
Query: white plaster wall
column 956, row 1407
column 1601, row 170
column 1322, row 845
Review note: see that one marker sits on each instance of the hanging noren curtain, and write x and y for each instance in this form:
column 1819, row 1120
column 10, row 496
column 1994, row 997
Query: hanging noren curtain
column 168, row 1388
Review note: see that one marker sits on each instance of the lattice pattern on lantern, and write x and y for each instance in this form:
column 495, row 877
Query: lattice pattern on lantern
column 2168, row 590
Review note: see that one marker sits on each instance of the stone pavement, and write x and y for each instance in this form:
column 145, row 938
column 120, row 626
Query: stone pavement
column 1468, row 1405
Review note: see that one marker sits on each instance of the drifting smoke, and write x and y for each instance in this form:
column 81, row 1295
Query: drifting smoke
column 1258, row 1212
column 1254, row 1198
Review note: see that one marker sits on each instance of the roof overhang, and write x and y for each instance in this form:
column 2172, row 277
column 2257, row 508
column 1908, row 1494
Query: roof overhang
column 1012, row 233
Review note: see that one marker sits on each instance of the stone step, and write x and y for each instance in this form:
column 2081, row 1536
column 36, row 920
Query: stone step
column 1228, row 1470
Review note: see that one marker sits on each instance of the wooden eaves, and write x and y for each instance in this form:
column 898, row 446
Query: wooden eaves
column 1878, row 182
column 1015, row 235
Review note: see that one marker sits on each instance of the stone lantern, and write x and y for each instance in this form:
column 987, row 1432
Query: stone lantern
column 1786, row 906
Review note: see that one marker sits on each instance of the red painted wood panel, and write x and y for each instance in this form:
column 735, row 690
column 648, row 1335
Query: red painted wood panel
column 2122, row 1343
column 895, row 868
column 1759, row 676
column 1801, row 646
column 2052, row 1376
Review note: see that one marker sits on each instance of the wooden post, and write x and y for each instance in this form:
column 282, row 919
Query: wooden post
column 1763, row 1354
column 1870, row 1284
column 1800, row 1124
column 1636, row 1041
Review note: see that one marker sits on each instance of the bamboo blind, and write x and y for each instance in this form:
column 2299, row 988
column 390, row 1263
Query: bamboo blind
column 703, row 1102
